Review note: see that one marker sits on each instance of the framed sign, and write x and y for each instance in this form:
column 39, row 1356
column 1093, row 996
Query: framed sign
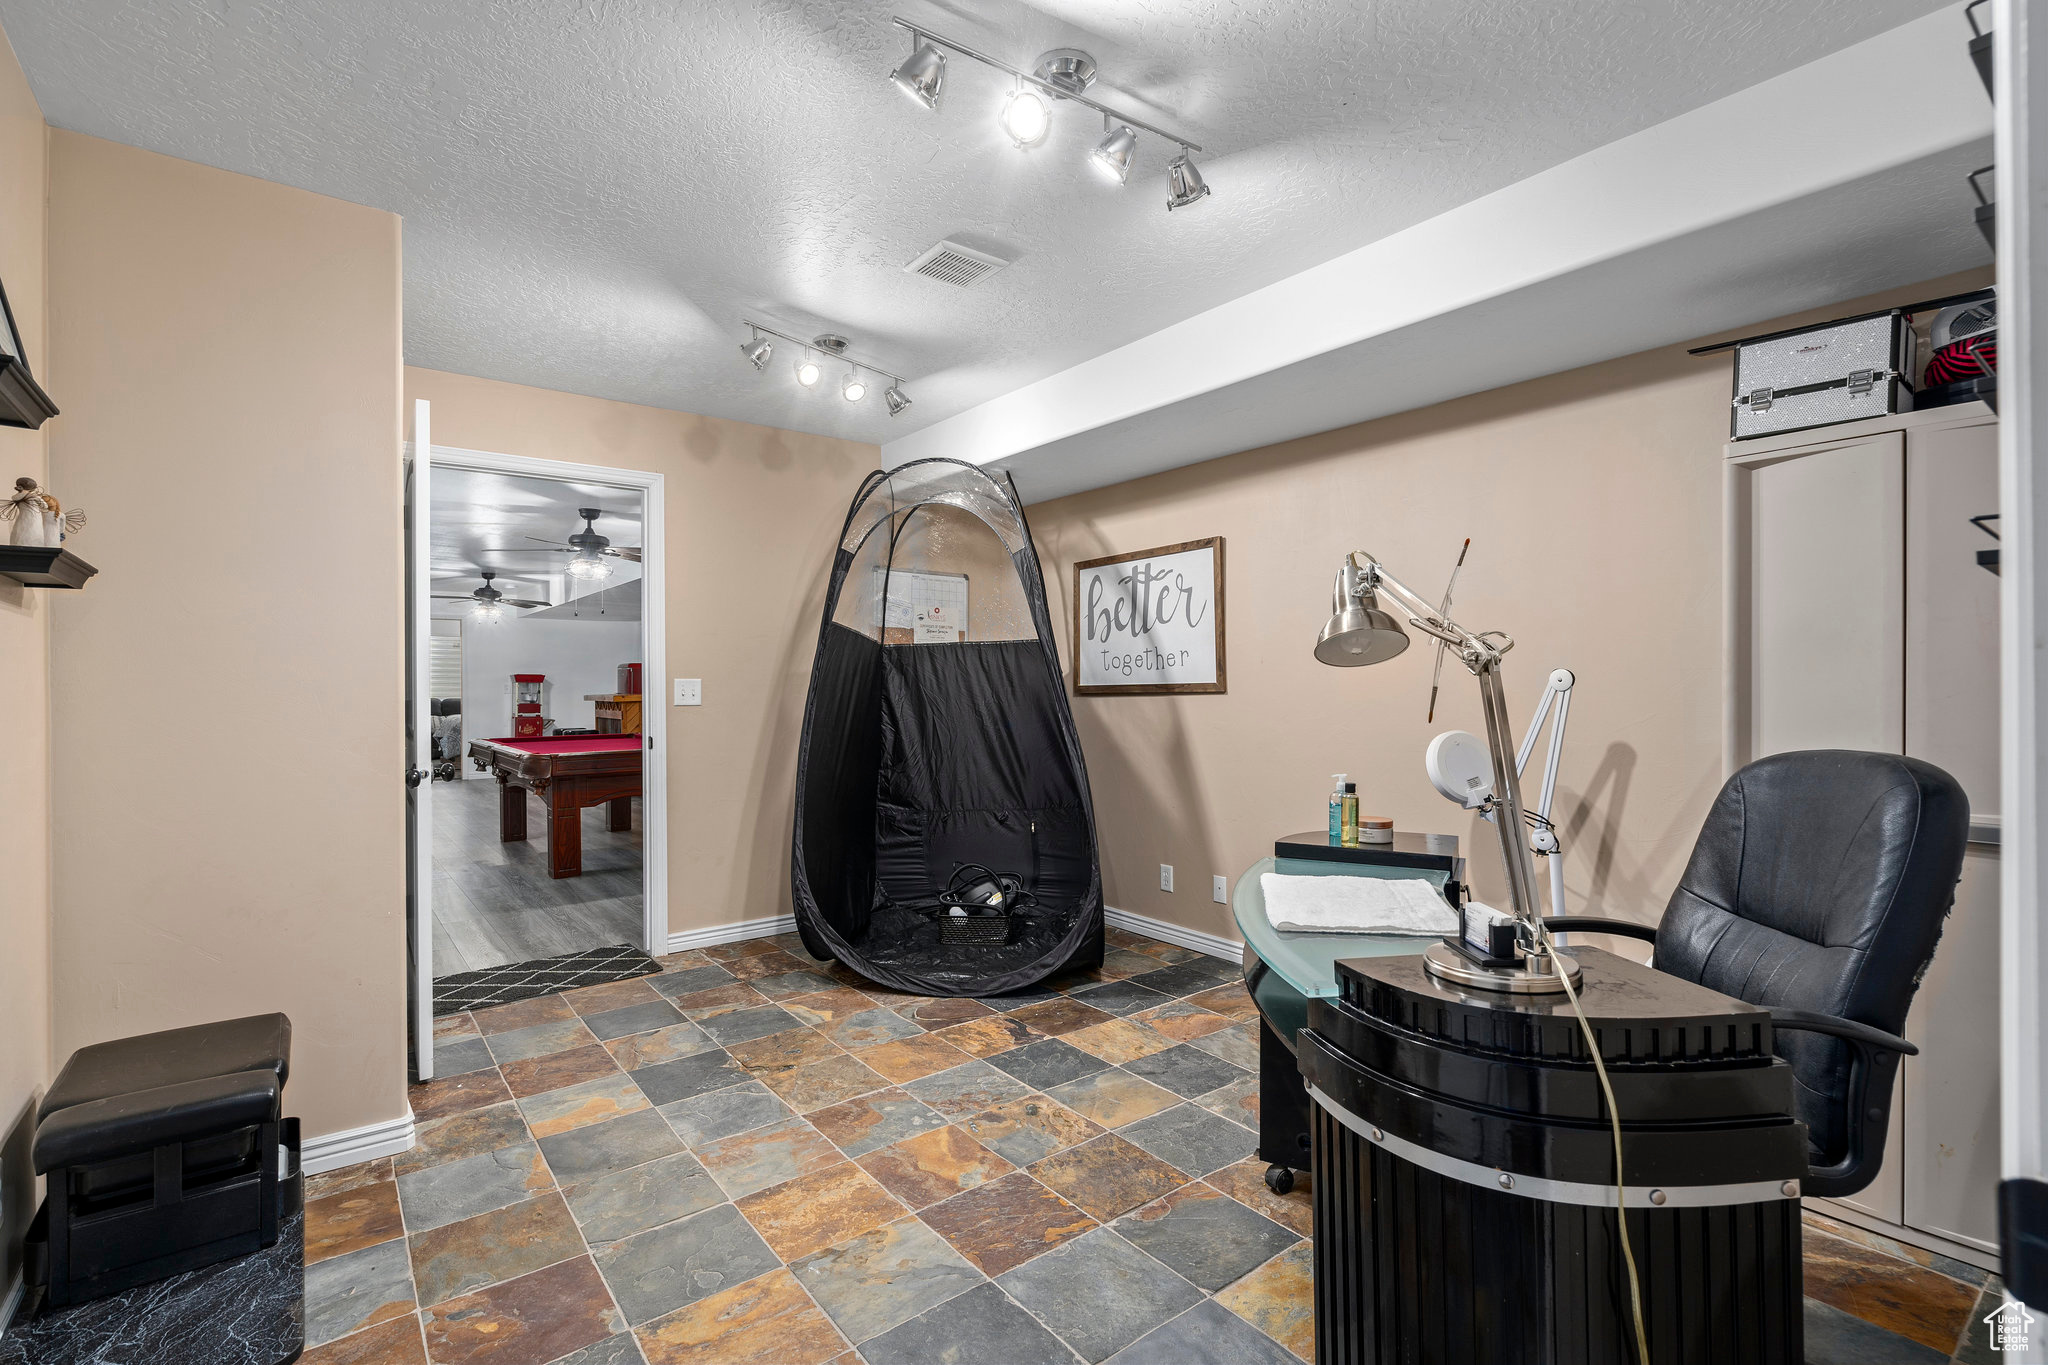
column 1150, row 622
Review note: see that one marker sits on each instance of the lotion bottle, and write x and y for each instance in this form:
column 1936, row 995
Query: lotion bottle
column 1349, row 827
column 1336, row 809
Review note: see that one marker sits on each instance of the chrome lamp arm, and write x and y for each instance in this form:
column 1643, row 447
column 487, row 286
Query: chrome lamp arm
column 1359, row 581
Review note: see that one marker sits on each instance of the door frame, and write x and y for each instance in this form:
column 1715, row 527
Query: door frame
column 653, row 633
column 416, row 478
column 2020, row 129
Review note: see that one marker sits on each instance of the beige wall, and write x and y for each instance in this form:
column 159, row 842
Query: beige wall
column 1593, row 500
column 24, row 689
column 228, row 810
column 752, row 516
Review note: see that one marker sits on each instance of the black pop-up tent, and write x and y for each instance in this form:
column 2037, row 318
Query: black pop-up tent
column 937, row 734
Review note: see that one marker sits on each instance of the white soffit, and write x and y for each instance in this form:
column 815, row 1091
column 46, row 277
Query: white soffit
column 1838, row 178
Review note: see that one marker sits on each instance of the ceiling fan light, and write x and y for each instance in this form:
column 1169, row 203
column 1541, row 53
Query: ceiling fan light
column 1027, row 117
column 757, row 351
column 1114, row 155
column 486, row 613
column 897, row 400
column 1184, row 184
column 922, row 75
column 590, row 567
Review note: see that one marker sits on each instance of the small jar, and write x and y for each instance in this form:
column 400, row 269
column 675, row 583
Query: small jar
column 1375, row 829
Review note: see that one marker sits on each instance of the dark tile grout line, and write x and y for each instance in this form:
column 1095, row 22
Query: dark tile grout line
column 420, row 1311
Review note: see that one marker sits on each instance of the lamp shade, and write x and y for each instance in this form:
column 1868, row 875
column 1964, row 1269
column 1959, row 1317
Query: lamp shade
column 1184, row 184
column 923, row 76
column 1358, row 632
column 1115, row 153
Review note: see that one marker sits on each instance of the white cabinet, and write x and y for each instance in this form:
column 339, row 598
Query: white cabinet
column 1858, row 617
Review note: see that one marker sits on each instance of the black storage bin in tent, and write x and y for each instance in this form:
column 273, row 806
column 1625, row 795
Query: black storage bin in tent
column 937, row 734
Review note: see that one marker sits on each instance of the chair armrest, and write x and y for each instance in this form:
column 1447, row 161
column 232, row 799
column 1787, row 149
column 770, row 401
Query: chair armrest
column 1849, row 1029
column 1593, row 924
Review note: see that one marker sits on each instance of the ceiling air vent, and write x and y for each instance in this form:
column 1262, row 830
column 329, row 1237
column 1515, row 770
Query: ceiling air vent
column 952, row 263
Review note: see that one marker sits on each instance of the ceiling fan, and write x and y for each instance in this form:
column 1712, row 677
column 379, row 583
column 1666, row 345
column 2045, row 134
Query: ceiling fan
column 588, row 550
column 489, row 603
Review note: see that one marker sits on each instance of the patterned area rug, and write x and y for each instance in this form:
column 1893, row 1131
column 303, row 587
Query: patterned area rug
column 542, row 976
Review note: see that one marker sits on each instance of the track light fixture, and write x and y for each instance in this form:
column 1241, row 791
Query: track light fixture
column 1064, row 73
column 811, row 368
column 757, row 351
column 923, row 75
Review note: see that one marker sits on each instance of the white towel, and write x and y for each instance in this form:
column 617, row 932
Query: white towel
column 1356, row 905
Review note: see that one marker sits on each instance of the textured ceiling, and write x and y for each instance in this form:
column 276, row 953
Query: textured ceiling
column 596, row 191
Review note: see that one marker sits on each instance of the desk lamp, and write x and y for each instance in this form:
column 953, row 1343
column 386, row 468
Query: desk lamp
column 1359, row 632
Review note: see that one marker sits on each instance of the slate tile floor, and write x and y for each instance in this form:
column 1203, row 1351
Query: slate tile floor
column 749, row 1159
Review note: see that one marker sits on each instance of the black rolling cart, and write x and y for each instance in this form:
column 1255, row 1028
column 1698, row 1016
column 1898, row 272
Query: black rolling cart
column 1284, row 971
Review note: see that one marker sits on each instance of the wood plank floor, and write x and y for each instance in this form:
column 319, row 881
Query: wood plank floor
column 495, row 902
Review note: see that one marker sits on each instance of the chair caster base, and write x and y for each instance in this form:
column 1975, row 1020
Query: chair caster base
column 1279, row 1179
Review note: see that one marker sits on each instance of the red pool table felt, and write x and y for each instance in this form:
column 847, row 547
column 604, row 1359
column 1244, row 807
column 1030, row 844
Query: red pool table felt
column 572, row 744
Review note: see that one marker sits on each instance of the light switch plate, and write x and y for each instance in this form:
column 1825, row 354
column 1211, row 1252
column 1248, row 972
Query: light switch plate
column 689, row 691
column 1219, row 890
column 1166, row 876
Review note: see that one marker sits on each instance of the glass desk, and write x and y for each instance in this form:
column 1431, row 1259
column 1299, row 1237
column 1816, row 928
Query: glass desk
column 1284, row 971
column 1308, row 962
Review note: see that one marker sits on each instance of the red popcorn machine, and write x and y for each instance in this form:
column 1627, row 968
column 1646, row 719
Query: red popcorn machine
column 527, row 721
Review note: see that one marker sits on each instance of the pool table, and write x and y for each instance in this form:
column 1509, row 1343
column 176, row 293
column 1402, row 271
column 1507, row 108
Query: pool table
column 568, row 773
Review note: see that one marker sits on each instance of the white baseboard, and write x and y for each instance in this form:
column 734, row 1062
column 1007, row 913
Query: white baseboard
column 1215, row 945
column 12, row 1302
column 731, row 933
column 331, row 1151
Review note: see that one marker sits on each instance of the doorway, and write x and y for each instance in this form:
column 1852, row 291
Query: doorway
column 538, row 838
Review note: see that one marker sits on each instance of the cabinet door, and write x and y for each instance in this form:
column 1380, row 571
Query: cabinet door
column 1827, row 599
column 1951, row 1090
column 1827, row 641
column 1952, row 609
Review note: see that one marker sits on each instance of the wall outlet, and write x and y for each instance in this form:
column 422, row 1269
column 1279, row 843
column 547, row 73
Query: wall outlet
column 689, row 691
column 1166, row 876
column 1219, row 890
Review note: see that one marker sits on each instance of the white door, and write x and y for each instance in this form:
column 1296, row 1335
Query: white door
column 419, row 745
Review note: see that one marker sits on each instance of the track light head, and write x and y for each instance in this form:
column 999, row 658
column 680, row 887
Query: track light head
column 854, row 388
column 897, row 400
column 1184, row 184
column 1114, row 155
column 1027, row 117
column 757, row 351
column 808, row 372
column 923, row 74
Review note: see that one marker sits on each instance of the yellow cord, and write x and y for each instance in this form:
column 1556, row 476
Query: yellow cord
column 1635, row 1292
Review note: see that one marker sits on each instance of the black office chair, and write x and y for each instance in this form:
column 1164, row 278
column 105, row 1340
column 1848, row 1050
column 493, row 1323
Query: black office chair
column 1818, row 889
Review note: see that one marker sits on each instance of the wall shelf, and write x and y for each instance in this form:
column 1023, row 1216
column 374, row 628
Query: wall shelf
column 22, row 401
column 44, row 566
